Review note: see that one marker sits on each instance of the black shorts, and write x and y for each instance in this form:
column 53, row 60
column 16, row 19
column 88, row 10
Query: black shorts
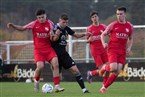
column 65, row 61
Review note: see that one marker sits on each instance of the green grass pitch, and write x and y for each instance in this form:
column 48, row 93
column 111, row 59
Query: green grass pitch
column 118, row 89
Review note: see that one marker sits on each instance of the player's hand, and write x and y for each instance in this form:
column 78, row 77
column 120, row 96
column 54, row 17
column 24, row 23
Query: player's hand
column 51, row 33
column 105, row 45
column 10, row 25
column 92, row 38
column 129, row 52
column 57, row 32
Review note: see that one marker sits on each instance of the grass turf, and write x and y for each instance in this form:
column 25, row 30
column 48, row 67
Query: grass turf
column 72, row 89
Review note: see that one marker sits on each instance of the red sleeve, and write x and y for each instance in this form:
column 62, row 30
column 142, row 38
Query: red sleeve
column 131, row 30
column 109, row 28
column 29, row 25
column 104, row 26
column 88, row 30
column 51, row 24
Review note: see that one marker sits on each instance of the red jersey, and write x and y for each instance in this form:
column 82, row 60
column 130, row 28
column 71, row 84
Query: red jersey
column 96, row 45
column 119, row 34
column 41, row 34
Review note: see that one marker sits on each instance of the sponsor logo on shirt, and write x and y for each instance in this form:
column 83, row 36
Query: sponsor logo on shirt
column 98, row 37
column 122, row 35
column 42, row 35
column 63, row 40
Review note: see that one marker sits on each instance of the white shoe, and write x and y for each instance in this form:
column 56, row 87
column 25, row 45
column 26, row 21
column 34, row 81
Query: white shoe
column 103, row 90
column 85, row 90
column 36, row 86
column 58, row 89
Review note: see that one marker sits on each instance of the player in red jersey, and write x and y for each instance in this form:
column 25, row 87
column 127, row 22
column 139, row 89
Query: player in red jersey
column 42, row 29
column 98, row 52
column 120, row 44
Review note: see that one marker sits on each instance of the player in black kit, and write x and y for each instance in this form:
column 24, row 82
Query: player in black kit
column 61, row 31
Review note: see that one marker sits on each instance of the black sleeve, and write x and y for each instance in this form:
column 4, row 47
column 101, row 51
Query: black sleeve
column 69, row 30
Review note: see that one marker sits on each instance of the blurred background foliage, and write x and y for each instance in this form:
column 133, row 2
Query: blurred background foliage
column 22, row 12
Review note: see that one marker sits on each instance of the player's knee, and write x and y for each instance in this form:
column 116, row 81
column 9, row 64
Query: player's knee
column 74, row 70
column 40, row 66
column 55, row 66
column 113, row 67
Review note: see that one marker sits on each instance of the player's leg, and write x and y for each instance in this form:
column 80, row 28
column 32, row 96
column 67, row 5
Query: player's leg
column 55, row 71
column 60, row 71
column 104, row 58
column 79, row 78
column 95, row 72
column 112, row 58
column 106, row 76
column 39, row 58
column 40, row 66
column 90, row 75
column 111, row 78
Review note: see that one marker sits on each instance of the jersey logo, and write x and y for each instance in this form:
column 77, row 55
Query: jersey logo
column 63, row 37
column 127, row 30
column 47, row 29
column 73, row 62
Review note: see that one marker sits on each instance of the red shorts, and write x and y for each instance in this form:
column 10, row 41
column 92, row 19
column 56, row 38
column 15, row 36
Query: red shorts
column 100, row 59
column 46, row 55
column 118, row 58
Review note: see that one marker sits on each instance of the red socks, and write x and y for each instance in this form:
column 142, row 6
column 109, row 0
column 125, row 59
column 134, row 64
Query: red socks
column 94, row 72
column 110, row 80
column 105, row 80
column 56, row 80
column 37, row 78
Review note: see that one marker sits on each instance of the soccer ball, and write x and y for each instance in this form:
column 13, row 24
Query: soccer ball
column 47, row 88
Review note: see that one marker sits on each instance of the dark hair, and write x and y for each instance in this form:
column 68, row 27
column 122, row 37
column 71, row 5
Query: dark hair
column 122, row 8
column 93, row 13
column 40, row 12
column 64, row 16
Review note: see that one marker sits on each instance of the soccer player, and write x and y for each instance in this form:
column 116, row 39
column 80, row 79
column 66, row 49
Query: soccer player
column 59, row 44
column 42, row 29
column 98, row 52
column 120, row 44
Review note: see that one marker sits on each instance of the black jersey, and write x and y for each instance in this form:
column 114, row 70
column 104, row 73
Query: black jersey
column 60, row 45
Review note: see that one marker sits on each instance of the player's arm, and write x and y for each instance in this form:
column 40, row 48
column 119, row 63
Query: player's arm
column 17, row 27
column 103, row 39
column 90, row 39
column 21, row 28
column 129, row 44
column 79, row 35
column 104, row 33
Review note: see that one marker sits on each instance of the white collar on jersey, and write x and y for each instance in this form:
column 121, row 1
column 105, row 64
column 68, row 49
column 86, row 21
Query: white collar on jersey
column 58, row 24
